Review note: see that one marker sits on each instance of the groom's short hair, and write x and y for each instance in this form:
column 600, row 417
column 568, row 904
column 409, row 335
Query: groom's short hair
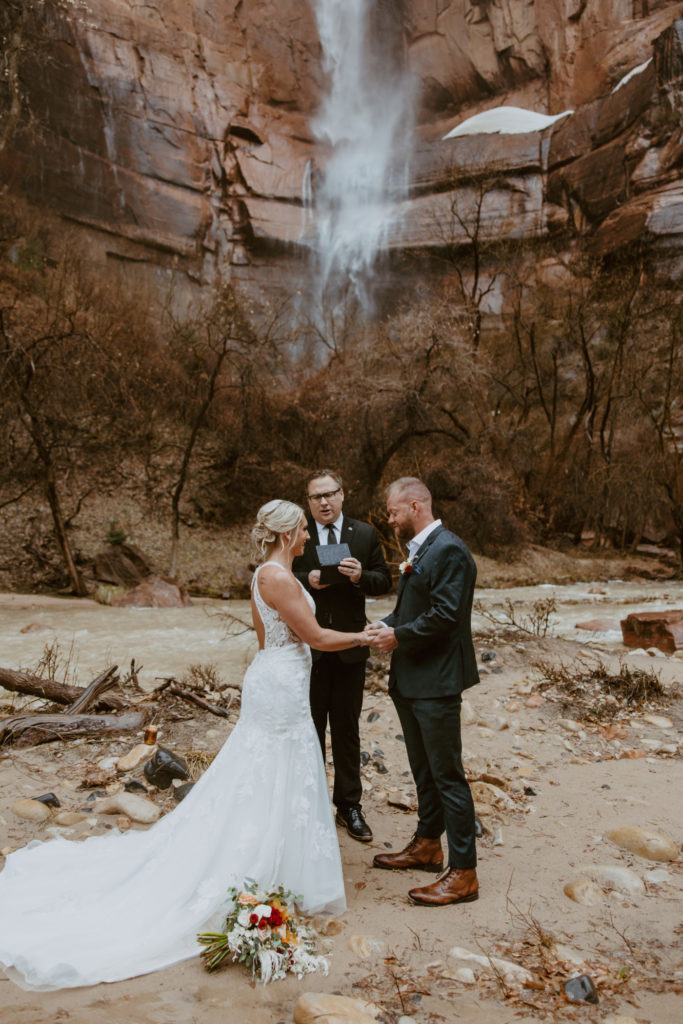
column 323, row 472
column 410, row 486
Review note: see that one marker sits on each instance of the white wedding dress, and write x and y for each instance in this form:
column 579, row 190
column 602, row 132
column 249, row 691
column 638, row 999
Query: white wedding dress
column 123, row 904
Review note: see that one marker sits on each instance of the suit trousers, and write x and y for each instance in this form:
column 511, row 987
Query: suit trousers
column 337, row 695
column 431, row 729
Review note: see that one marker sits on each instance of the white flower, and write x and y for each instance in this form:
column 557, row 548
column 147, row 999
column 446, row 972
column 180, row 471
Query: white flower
column 263, row 910
column 243, row 917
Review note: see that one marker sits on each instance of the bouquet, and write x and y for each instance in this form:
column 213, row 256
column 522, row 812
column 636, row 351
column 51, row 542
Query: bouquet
column 263, row 931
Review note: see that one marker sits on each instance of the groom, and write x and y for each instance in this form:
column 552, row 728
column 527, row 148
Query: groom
column 433, row 661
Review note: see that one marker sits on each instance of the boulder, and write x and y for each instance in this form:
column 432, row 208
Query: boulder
column 663, row 630
column 122, row 565
column 153, row 592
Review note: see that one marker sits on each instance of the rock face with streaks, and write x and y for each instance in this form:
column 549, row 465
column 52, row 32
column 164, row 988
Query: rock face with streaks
column 178, row 134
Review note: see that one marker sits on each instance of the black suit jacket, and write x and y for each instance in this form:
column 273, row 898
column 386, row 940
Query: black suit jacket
column 432, row 621
column 342, row 605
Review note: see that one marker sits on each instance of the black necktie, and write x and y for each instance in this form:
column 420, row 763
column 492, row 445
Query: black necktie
column 331, row 537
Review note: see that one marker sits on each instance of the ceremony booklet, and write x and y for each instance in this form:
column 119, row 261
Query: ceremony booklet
column 329, row 556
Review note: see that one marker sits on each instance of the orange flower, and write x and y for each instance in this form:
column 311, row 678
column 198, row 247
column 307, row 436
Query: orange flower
column 245, row 899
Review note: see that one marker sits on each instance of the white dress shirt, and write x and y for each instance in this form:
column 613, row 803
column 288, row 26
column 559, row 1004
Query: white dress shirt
column 418, row 540
column 322, row 529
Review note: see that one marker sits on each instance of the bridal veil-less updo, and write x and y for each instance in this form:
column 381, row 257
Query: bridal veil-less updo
column 273, row 520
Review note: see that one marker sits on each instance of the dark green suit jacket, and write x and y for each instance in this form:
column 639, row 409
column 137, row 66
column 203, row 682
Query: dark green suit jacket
column 435, row 656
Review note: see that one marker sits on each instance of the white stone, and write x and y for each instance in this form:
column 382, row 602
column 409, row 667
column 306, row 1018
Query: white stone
column 661, row 721
column 614, row 876
column 513, row 974
column 658, row 876
column 136, row 807
column 569, row 724
column 30, row 810
column 325, row 1008
column 465, row 975
column 467, row 715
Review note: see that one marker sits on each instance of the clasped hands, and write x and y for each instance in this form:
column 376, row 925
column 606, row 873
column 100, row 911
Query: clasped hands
column 381, row 637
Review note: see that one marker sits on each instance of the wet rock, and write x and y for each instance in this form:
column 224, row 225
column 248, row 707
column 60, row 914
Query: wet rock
column 164, row 767
column 365, row 946
column 581, row 989
column 644, row 842
column 181, row 791
column 512, row 973
column 66, row 818
column 326, row 1008
column 373, row 716
column 122, row 565
column 30, row 810
column 585, row 892
column 49, row 799
column 153, row 593
column 380, row 767
column 661, row 630
column 488, row 656
column 133, row 758
column 137, row 808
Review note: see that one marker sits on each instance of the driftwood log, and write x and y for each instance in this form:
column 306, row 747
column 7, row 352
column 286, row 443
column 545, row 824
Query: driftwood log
column 60, row 693
column 29, row 730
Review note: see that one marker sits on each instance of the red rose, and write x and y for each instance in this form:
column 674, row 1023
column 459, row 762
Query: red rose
column 408, row 569
column 253, row 919
column 263, row 923
column 275, row 917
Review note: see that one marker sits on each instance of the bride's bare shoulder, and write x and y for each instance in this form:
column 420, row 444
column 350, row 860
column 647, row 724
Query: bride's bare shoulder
column 270, row 574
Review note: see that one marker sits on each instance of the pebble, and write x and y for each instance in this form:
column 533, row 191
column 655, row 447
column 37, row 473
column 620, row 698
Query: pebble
column 138, row 808
column 318, row 1007
column 659, row 720
column 644, row 842
column 658, row 876
column 30, row 810
column 67, row 818
column 467, row 715
column 465, row 975
column 569, row 725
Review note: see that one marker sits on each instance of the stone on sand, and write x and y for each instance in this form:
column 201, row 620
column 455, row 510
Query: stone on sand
column 30, row 810
column 325, row 1008
column 644, row 842
column 137, row 808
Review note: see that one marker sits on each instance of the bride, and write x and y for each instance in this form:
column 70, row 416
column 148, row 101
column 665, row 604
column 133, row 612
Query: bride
column 120, row 905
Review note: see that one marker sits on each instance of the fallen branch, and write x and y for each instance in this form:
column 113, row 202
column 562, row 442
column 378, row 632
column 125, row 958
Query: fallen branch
column 193, row 698
column 30, row 730
column 103, row 682
column 58, row 693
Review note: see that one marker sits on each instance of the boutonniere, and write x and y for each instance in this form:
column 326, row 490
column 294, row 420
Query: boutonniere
column 405, row 568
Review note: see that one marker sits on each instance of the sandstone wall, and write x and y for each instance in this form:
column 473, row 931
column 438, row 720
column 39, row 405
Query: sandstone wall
column 181, row 128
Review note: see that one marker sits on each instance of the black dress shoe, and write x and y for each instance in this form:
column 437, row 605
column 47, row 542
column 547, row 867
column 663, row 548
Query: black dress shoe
column 355, row 824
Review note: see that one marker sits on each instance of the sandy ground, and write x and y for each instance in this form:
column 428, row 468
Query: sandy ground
column 563, row 790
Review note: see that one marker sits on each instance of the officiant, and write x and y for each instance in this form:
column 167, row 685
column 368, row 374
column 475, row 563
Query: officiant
column 341, row 565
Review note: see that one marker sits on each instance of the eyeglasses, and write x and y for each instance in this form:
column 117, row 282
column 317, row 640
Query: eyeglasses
column 317, row 498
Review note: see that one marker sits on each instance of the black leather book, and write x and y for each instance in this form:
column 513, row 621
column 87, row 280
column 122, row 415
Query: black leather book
column 329, row 556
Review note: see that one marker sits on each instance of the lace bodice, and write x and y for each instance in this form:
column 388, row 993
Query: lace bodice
column 277, row 632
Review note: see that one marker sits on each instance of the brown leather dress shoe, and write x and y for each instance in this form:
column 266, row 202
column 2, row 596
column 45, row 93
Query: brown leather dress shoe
column 419, row 853
column 457, row 885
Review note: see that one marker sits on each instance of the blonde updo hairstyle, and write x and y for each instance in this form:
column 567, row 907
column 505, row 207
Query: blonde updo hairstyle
column 276, row 522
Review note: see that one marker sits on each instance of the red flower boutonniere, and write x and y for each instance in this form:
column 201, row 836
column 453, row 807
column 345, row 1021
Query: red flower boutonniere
column 405, row 568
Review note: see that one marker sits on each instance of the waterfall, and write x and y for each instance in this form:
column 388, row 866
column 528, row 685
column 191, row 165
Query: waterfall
column 360, row 124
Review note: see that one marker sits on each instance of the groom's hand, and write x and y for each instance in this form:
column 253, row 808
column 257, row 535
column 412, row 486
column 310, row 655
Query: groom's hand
column 383, row 638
